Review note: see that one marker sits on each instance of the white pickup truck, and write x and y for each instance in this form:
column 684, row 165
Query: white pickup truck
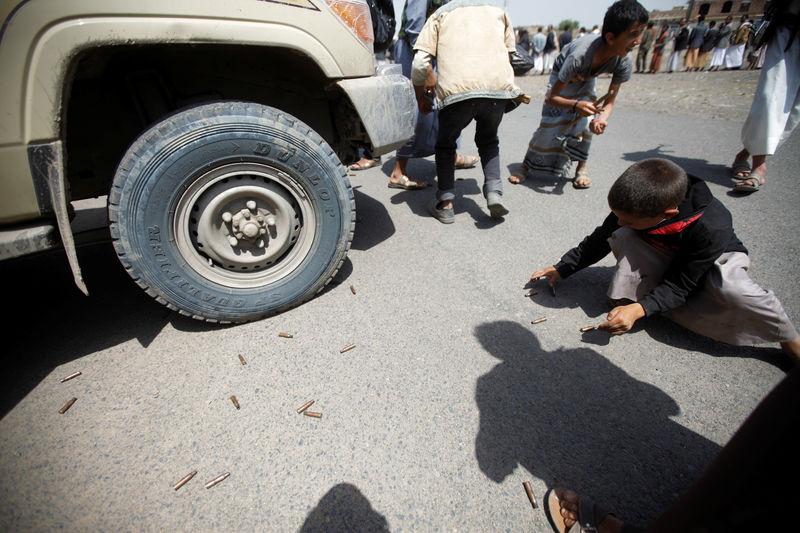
column 216, row 130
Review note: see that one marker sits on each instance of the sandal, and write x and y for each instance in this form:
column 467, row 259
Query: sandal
column 740, row 169
column 406, row 183
column 519, row 175
column 582, row 179
column 750, row 184
column 369, row 163
column 589, row 514
column 466, row 161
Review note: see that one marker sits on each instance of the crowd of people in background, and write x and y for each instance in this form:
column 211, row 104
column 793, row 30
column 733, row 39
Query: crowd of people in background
column 693, row 47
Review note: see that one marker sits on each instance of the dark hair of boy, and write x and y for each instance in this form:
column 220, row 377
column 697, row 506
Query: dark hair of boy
column 712, row 23
column 651, row 24
column 648, row 188
column 621, row 15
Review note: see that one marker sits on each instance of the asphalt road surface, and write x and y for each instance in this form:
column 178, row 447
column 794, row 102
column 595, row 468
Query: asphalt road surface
column 451, row 398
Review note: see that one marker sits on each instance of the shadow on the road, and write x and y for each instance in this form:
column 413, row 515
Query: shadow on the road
column 344, row 508
column 719, row 174
column 51, row 322
column 373, row 223
column 573, row 419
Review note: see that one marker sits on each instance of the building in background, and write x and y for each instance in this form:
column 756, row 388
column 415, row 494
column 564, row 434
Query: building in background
column 712, row 9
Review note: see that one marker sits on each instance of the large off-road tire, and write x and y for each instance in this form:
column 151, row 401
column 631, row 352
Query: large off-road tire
column 231, row 211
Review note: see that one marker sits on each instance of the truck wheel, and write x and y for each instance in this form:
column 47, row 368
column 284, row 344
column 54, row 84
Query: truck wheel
column 231, row 211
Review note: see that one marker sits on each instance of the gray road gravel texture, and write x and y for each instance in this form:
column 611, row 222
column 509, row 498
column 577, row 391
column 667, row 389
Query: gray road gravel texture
column 451, row 398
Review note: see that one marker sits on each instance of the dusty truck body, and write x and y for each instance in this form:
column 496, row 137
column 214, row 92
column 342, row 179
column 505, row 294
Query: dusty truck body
column 217, row 130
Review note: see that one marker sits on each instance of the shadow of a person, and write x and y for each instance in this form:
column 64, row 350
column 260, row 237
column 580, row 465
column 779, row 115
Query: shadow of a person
column 573, row 419
column 344, row 508
column 719, row 174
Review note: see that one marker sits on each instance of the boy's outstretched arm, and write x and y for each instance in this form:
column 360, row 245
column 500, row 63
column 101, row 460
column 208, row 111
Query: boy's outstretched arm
column 621, row 318
column 549, row 272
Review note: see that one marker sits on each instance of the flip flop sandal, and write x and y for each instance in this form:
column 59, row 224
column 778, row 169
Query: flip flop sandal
column 740, row 166
column 589, row 514
column 466, row 161
column 750, row 184
column 407, row 184
column 583, row 176
column 364, row 166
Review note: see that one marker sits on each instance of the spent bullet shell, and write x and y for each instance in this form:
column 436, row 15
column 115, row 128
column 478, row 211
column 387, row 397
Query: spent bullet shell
column 588, row 328
column 553, row 290
column 66, row 406
column 352, row 289
column 185, row 479
column 235, row 402
column 241, row 360
column 71, row 376
column 531, row 293
column 312, row 414
column 347, row 348
column 286, row 335
column 305, row 406
column 217, row 480
column 529, row 492
column 538, row 320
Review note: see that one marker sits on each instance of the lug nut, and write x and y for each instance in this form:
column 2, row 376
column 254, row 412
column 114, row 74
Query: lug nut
column 271, row 220
column 233, row 241
column 251, row 205
column 227, row 217
column 250, row 229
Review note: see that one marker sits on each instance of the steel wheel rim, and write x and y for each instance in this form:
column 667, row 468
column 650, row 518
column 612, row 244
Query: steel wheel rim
column 203, row 231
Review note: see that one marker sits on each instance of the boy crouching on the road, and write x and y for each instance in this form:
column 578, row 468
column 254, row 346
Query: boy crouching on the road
column 677, row 254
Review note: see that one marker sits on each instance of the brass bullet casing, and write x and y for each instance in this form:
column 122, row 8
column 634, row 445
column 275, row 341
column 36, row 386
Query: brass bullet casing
column 352, row 289
column 241, row 360
column 305, row 406
column 286, row 335
column 347, row 348
column 539, row 320
column 529, row 492
column 217, row 480
column 588, row 328
column 71, row 376
column 66, row 406
column 531, row 293
column 235, row 402
column 312, row 414
column 185, row 479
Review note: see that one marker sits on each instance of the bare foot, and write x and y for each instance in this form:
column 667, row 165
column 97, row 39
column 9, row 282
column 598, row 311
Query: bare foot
column 568, row 514
column 519, row 174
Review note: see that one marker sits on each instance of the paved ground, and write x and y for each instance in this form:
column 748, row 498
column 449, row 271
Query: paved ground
column 719, row 95
column 451, row 398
